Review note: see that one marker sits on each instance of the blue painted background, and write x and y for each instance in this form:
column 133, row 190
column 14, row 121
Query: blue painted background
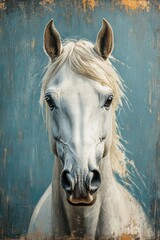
column 25, row 158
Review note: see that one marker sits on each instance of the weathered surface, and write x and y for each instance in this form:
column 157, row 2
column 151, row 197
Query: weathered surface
column 26, row 161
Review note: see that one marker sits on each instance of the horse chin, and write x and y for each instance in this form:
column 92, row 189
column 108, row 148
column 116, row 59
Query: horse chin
column 81, row 203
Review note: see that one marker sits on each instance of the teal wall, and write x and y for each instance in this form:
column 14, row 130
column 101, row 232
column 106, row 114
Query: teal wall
column 25, row 158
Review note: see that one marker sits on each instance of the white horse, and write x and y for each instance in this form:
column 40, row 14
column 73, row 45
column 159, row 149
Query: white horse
column 82, row 91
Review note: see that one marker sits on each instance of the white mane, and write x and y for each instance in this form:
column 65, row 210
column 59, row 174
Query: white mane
column 82, row 59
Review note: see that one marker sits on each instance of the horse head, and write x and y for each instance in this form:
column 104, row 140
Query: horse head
column 79, row 110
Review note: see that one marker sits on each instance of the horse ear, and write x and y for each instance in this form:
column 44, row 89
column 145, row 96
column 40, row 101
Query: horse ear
column 52, row 41
column 105, row 40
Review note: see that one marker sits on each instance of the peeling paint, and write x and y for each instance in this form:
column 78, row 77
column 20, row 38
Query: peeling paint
column 4, row 158
column 20, row 135
column 135, row 4
column 33, row 43
column 89, row 3
column 158, row 117
column 39, row 236
column 45, row 2
column 3, row 6
column 150, row 101
column 127, row 237
column 83, row 5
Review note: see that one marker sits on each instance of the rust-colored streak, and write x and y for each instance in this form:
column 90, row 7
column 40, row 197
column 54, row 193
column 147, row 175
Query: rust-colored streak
column 135, row 4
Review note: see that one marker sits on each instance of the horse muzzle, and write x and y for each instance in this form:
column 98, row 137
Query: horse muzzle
column 81, row 189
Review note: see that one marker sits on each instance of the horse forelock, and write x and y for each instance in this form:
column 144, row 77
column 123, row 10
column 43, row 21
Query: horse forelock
column 82, row 59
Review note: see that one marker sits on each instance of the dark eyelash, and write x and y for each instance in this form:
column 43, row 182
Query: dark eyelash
column 50, row 102
column 108, row 101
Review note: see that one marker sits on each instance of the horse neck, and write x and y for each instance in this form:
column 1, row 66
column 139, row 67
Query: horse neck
column 108, row 179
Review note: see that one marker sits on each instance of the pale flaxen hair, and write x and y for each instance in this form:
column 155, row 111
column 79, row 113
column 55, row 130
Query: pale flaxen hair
column 81, row 57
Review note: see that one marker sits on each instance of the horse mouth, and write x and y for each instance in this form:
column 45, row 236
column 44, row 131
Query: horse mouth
column 81, row 202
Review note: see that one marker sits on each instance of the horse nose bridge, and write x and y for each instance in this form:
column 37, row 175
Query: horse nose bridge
column 78, row 142
column 82, row 149
column 80, row 138
column 80, row 174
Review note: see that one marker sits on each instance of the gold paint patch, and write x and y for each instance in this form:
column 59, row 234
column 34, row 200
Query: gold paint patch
column 127, row 237
column 135, row 4
column 89, row 3
column 2, row 6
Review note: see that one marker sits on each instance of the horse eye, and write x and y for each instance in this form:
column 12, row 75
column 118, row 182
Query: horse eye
column 108, row 102
column 50, row 102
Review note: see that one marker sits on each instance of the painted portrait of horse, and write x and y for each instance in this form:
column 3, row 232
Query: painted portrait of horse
column 82, row 91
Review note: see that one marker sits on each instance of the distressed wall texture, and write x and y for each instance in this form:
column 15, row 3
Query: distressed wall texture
column 25, row 158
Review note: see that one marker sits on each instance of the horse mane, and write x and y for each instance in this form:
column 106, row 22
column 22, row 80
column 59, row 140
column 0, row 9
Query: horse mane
column 82, row 59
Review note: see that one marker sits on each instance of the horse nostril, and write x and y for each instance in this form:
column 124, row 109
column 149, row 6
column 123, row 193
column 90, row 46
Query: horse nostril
column 67, row 181
column 94, row 181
